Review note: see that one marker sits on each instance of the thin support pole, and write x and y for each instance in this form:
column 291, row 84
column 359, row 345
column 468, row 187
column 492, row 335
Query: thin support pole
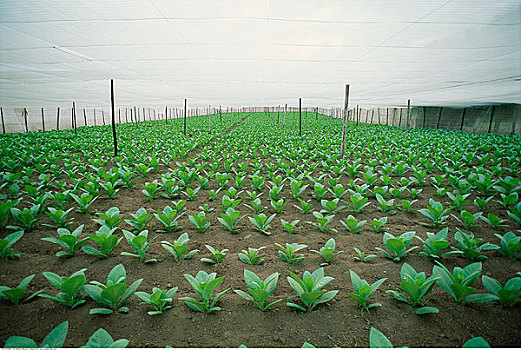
column 95, row 121
column 113, row 117
column 408, row 115
column 74, row 116
column 300, row 116
column 372, row 115
column 220, row 114
column 400, row 119
column 119, row 115
column 25, row 119
column 344, row 126
column 126, row 115
column 103, row 116
column 84, row 117
column 439, row 118
column 462, row 118
column 209, row 118
column 491, row 118
column 379, row 122
column 316, row 114
column 58, row 119
column 3, row 122
column 387, row 120
column 43, row 119
column 284, row 120
column 424, row 115
column 166, row 114
column 185, row 118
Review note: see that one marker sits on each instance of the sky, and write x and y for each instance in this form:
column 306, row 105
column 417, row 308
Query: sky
column 259, row 53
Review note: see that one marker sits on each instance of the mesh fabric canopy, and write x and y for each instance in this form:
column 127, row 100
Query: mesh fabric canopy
column 438, row 52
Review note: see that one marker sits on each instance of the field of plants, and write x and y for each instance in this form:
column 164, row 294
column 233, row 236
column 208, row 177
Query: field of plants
column 243, row 232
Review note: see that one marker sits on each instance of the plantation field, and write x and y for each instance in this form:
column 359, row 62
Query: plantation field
column 240, row 182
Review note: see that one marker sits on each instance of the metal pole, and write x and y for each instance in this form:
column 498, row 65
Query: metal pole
column 58, row 119
column 300, row 116
column 43, row 119
column 113, row 117
column 84, row 117
column 185, row 117
column 3, row 122
column 408, row 114
column 344, row 126
column 166, row 114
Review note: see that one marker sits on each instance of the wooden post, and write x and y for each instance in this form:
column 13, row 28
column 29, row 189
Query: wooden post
column 372, row 115
column 166, row 114
column 379, row 122
column 185, row 117
column 95, row 121
column 344, row 126
column 357, row 114
column 103, row 116
column 135, row 116
column 25, row 119
column 424, row 109
column 408, row 115
column 84, row 117
column 316, row 114
column 300, row 116
column 74, row 121
column 58, row 119
column 43, row 120
column 491, row 118
column 400, row 119
column 278, row 112
column 387, row 121
column 126, row 115
column 209, row 118
column 220, row 114
column 119, row 115
column 3, row 122
column 462, row 118
column 284, row 120
column 439, row 118
column 113, row 118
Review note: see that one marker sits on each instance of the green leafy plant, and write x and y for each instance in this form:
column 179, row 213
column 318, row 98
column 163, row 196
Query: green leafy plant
column 106, row 241
column 353, row 225
column 309, row 289
column 256, row 205
column 16, row 295
column 228, row 202
column 385, row 206
column 160, row 300
column 434, row 245
column 510, row 245
column 471, row 247
column 259, row 290
column 251, row 256
column 331, row 207
column 290, row 226
column 397, row 245
column 415, row 290
column 458, row 200
column 482, row 203
column 327, row 252
column 102, row 339
column 169, row 219
column 297, row 188
column 204, row 285
column 467, row 219
column 457, row 284
column 140, row 219
column 363, row 291
column 70, row 241
column 507, row 295
column 151, row 190
column 219, row 255
column 477, row 342
column 378, row 340
column 278, row 206
column 140, row 244
column 305, row 206
column 261, row 222
column 378, row 224
column 362, row 257
column 6, row 250
column 27, row 217
column 70, row 293
column 110, row 219
column 434, row 212
column 179, row 249
column 230, row 219
column 200, row 221
column 59, row 217
column 114, row 294
column 85, row 202
column 111, row 189
column 358, row 202
column 406, row 204
column 288, row 253
column 322, row 222
column 55, row 339
column 494, row 221
column 6, row 213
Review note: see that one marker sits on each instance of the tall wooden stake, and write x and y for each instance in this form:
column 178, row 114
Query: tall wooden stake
column 95, row 121
column 300, row 116
column 284, row 120
column 439, row 118
column 166, row 114
column 344, row 126
column 462, row 119
column 491, row 118
column 408, row 115
column 84, row 117
column 43, row 120
column 58, row 119
column 25, row 119
column 185, row 117
column 74, row 117
column 3, row 122
column 113, row 118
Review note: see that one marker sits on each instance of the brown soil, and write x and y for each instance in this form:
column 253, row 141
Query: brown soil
column 337, row 323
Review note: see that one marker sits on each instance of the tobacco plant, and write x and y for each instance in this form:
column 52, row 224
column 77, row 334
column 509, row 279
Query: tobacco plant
column 259, row 290
column 168, row 218
column 309, row 289
column 140, row 244
column 251, row 256
column 363, row 291
column 55, row 339
column 160, row 300
column 70, row 241
column 16, row 295
column 204, row 285
column 327, row 252
column 218, row 255
column 179, row 249
column 70, row 288
column 6, row 252
column 397, row 245
column 510, row 245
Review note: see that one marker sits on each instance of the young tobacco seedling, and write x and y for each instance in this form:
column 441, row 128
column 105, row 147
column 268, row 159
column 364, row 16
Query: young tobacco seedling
column 494, row 221
column 160, row 300
column 510, row 245
column 309, row 289
column 259, row 290
column 290, row 226
column 110, row 219
column 70, row 294
column 6, row 252
column 256, row 205
column 230, row 219
column 55, row 339
column 297, row 188
column 470, row 247
column 278, row 206
column 434, row 212
column 140, row 244
column 306, row 206
column 200, row 221
column 106, row 240
column 378, row 224
column 84, row 202
column 322, row 222
column 458, row 283
column 204, row 285
column 139, row 220
column 435, row 243
column 359, row 202
column 5, row 212
column 250, row 256
column 467, row 219
column 170, row 189
column 27, row 217
column 192, row 193
column 352, row 225
column 507, row 295
column 102, row 339
column 397, row 245
column 416, row 287
column 59, row 217
column 168, row 218
column 114, row 294
column 151, row 190
column 385, row 206
column 406, row 204
column 70, row 241
column 477, row 342
column 331, row 207
column 288, row 254
column 363, row 291
column 262, row 222
column 179, row 249
column 327, row 252
column 378, row 340
column 15, row 295
column 482, row 203
column 219, row 255
column 362, row 257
